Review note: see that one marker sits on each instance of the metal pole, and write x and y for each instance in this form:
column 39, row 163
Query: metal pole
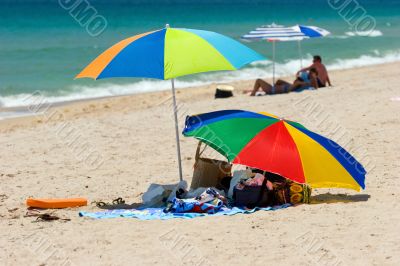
column 300, row 54
column 273, row 62
column 178, row 146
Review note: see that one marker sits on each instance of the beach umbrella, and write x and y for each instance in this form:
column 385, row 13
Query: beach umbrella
column 277, row 33
column 169, row 53
column 266, row 142
column 309, row 32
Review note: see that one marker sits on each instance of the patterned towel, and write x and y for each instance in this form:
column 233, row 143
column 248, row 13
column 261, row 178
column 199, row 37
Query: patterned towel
column 193, row 205
column 158, row 214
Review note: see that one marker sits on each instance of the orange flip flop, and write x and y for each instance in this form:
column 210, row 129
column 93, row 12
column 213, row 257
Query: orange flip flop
column 56, row 203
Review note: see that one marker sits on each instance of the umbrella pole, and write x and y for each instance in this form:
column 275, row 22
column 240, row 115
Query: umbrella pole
column 178, row 146
column 300, row 54
column 273, row 63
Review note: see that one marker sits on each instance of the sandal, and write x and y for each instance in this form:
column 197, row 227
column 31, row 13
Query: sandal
column 117, row 201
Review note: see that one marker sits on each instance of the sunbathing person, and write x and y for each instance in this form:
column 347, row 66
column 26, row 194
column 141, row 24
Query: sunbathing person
column 323, row 77
column 281, row 86
column 303, row 81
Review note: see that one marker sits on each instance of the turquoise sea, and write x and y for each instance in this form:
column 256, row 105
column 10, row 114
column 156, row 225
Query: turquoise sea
column 43, row 46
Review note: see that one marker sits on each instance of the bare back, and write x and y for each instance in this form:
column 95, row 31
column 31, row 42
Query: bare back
column 322, row 72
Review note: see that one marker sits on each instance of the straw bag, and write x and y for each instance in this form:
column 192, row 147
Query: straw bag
column 208, row 172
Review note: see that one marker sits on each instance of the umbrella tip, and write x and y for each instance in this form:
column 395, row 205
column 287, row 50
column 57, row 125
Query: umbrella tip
column 167, row 25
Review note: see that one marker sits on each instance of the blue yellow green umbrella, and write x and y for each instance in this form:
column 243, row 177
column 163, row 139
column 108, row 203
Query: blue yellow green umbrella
column 169, row 53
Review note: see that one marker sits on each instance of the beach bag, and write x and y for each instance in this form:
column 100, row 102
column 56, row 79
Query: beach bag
column 291, row 192
column 222, row 94
column 224, row 91
column 287, row 191
column 299, row 193
column 253, row 196
column 208, row 172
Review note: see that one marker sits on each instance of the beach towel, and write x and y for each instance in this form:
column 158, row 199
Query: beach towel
column 303, row 88
column 158, row 214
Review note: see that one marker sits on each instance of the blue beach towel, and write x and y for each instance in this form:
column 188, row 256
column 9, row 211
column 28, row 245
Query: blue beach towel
column 158, row 214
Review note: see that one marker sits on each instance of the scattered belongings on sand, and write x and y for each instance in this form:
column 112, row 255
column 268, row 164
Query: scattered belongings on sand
column 281, row 162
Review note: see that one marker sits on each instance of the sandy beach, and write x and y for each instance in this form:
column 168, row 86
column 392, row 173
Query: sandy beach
column 116, row 147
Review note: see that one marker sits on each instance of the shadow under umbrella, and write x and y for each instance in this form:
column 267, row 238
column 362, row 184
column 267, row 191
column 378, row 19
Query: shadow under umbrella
column 336, row 198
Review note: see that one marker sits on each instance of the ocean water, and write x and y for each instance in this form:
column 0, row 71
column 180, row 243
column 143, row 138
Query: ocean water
column 42, row 46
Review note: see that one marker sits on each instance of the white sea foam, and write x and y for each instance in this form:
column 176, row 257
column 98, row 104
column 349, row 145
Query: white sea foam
column 365, row 60
column 262, row 69
column 372, row 33
column 349, row 34
column 338, row 36
column 13, row 114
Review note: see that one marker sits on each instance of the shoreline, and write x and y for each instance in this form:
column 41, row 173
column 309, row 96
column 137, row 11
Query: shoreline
column 87, row 103
column 94, row 91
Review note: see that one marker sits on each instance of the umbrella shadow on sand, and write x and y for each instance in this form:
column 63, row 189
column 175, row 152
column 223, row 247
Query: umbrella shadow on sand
column 336, row 198
column 318, row 199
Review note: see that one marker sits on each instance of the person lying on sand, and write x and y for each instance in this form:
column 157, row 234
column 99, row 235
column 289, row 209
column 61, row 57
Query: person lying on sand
column 323, row 77
column 281, row 86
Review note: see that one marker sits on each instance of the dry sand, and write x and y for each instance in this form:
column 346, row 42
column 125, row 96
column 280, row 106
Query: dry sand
column 116, row 147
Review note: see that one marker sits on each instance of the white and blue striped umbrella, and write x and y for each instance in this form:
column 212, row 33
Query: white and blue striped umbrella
column 274, row 33
column 312, row 31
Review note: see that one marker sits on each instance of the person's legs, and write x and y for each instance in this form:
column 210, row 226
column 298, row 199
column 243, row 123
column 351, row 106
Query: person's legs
column 265, row 86
column 282, row 82
column 282, row 88
column 297, row 84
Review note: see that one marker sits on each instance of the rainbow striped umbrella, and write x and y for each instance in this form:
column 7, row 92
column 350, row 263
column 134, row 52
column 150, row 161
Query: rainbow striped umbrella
column 169, row 53
column 264, row 141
